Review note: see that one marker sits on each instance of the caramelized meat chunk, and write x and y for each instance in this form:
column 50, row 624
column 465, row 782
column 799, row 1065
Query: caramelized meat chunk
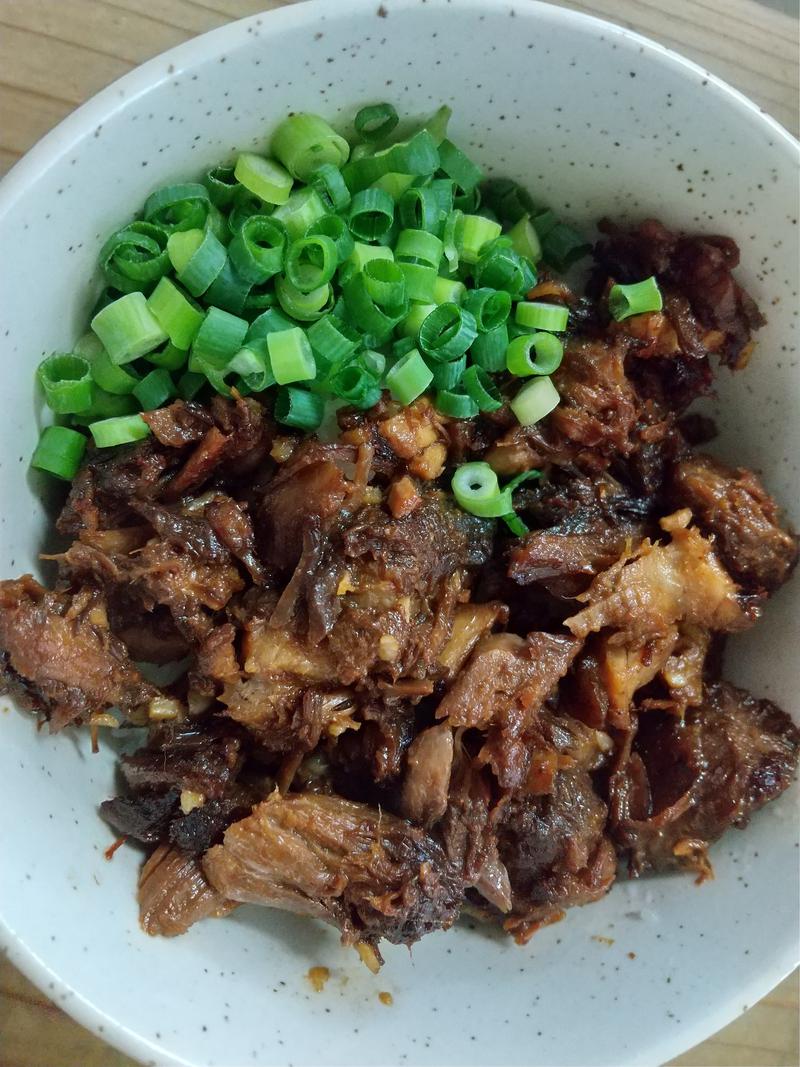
column 174, row 894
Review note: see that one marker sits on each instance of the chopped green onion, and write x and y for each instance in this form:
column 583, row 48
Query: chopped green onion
column 245, row 205
column 290, row 356
column 456, row 405
column 447, row 332
column 110, row 377
column 418, row 156
column 331, row 187
column 449, row 375
column 410, row 326
column 450, row 245
column 119, row 431
column 635, row 299
column 490, row 307
column 339, row 232
column 311, row 262
column 332, row 340
column 509, row 201
column 418, row 246
column 362, row 254
column 59, row 452
column 562, row 246
column 198, row 257
column 421, row 209
column 394, row 184
column 376, row 298
column 525, row 239
column 304, row 143
column 221, row 184
column 385, row 283
column 265, row 178
column 541, row 316
column 489, row 349
column 375, row 362
column 375, row 122
column 258, row 248
column 176, row 313
column 135, row 257
column 420, row 281
column 154, row 389
column 549, row 351
column 472, row 234
column 104, row 405
column 170, row 357
column 408, row 378
column 437, row 124
column 355, row 384
column 259, row 298
column 543, row 222
column 128, row 329
column 217, row 223
column 300, row 212
column 449, row 291
column 252, row 363
column 228, row 291
column 305, row 307
column 88, row 346
column 515, row 524
column 67, row 383
column 479, row 386
column 189, row 384
column 219, row 338
column 459, row 167
column 477, row 491
column 501, row 267
column 178, row 207
column 270, row 321
column 299, row 408
column 371, row 214
column 535, row 400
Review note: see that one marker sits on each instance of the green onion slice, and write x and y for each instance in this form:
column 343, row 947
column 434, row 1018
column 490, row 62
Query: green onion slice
column 265, row 178
column 59, row 452
column 299, row 408
column 228, row 291
column 489, row 349
column 549, row 351
column 525, row 239
column 304, row 143
column 490, row 307
column 535, row 400
column 155, row 389
column 331, row 187
column 170, row 357
column 270, row 321
column 456, row 405
column 371, row 214
column 221, row 184
column 128, row 329
column 478, row 385
column 376, row 122
column 258, row 248
column 336, row 228
column 177, row 314
column 447, row 332
column 418, row 156
column 198, row 257
column 332, row 340
column 472, row 234
column 303, row 208
column 635, row 299
column 459, row 167
column 291, row 356
column 119, row 431
column 67, row 383
column 305, row 307
column 477, row 491
column 501, row 267
column 408, row 378
column 135, row 257
column 111, row 378
column 418, row 246
column 219, row 338
column 562, row 246
column 448, row 375
column 178, row 207
column 449, row 291
column 420, row 281
column 536, row 315
column 311, row 262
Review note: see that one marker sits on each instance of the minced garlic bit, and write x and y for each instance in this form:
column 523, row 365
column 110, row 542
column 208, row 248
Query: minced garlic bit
column 318, row 976
column 386, row 998
column 369, row 956
column 345, row 584
column 164, row 709
column 191, row 800
column 103, row 718
column 388, row 648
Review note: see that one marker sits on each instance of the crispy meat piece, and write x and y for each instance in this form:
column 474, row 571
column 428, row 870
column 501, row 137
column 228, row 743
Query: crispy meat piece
column 59, row 656
column 144, row 818
column 200, row 758
column 735, row 507
column 678, row 785
column 174, row 894
column 425, row 786
column 647, row 592
column 367, row 872
column 180, row 424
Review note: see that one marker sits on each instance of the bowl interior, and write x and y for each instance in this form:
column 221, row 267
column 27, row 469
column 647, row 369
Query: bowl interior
column 595, row 122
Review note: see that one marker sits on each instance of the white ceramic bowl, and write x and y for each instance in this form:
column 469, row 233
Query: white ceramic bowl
column 597, row 121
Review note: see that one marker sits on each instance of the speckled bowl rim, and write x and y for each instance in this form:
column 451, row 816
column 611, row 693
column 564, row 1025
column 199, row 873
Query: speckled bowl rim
column 138, row 82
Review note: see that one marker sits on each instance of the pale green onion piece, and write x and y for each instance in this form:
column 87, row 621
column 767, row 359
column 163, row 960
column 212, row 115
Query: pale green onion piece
column 537, row 315
column 394, row 184
column 408, row 378
column 290, row 356
column 119, row 431
column 305, row 307
column 169, row 357
column 265, row 178
column 534, row 400
column 304, row 143
column 477, row 491
column 219, row 338
column 549, row 351
column 437, row 124
column 525, row 239
column 363, row 254
column 128, row 329
column 635, row 299
column 472, row 234
column 111, row 378
column 303, row 208
column 417, row 314
column 178, row 315
column 418, row 246
column 449, row 291
column 198, row 257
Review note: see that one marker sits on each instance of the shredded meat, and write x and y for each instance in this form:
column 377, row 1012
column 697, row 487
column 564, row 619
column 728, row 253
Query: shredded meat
column 174, row 894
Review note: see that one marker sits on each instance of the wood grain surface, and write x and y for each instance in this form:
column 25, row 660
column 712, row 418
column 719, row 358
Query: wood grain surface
column 54, row 54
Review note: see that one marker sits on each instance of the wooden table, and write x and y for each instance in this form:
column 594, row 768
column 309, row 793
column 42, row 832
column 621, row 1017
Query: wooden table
column 54, row 54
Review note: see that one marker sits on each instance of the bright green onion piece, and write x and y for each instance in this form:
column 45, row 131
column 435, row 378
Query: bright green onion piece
column 178, row 207
column 449, row 291
column 170, row 357
column 219, row 339
column 525, row 239
column 449, row 375
column 355, row 384
column 265, row 178
column 135, row 256
column 155, row 389
column 176, row 313
column 385, row 283
column 270, row 321
column 339, row 232
column 363, row 254
column 59, row 452
column 501, row 267
column 221, row 184
column 258, row 248
column 371, row 214
column 332, row 340
column 105, row 405
column 459, row 167
column 252, row 364
column 478, row 385
column 331, row 188
column 67, row 383
column 303, row 208
column 119, row 431
column 549, row 351
column 473, row 233
column 456, row 405
column 489, row 349
column 311, row 262
column 420, row 281
column 376, row 299
column 375, row 122
column 418, row 156
column 562, row 246
column 394, row 184
column 403, row 345
column 198, row 257
column 88, row 345
column 515, row 525
column 305, row 307
column 128, row 329
column 450, row 245
column 408, row 378
column 304, row 143
column 410, row 326
column 490, row 307
column 537, row 315
column 477, row 491
column 111, row 378
column 228, row 291
column 447, row 333
column 418, row 246
column 535, row 400
column 290, row 356
column 189, row 384
column 420, row 209
column 299, row 408
column 634, row 299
